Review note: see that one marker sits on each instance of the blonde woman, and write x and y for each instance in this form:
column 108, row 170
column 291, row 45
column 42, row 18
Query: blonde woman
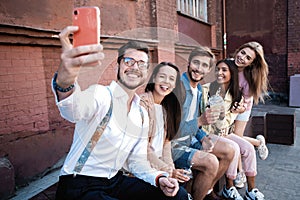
column 253, row 82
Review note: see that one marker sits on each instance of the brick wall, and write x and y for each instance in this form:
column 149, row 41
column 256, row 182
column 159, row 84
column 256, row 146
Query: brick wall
column 265, row 22
column 30, row 126
column 277, row 57
column 167, row 32
column 216, row 19
column 23, row 90
column 293, row 61
column 33, row 136
column 49, row 15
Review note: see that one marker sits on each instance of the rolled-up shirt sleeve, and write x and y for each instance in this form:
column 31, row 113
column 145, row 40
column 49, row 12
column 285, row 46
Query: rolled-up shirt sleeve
column 82, row 105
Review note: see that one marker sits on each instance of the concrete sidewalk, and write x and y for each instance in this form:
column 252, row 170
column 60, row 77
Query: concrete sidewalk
column 279, row 175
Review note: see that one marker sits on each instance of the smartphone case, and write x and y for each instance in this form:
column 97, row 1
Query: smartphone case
column 88, row 21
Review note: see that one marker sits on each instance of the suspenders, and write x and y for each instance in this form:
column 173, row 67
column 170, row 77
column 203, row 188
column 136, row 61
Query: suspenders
column 93, row 141
column 96, row 136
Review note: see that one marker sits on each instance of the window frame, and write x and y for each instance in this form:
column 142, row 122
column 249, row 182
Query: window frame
column 193, row 8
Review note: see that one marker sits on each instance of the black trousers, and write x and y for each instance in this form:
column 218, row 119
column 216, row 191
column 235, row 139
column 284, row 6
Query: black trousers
column 118, row 187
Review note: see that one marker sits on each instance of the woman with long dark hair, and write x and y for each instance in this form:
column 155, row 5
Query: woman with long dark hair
column 227, row 87
column 161, row 101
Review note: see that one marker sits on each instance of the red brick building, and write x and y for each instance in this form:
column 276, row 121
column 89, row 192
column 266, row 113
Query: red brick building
column 33, row 136
column 276, row 25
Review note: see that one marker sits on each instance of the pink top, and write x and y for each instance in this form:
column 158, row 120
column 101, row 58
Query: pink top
column 244, row 87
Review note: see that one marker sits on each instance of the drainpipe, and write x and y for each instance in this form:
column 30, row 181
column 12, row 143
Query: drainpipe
column 224, row 31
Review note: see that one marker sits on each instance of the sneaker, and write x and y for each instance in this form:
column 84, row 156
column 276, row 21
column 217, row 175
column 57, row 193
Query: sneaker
column 254, row 194
column 263, row 151
column 190, row 196
column 240, row 180
column 231, row 193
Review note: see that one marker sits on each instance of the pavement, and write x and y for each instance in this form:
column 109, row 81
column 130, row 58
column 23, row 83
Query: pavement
column 278, row 176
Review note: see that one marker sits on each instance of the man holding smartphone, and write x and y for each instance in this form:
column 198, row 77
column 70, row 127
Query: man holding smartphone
column 111, row 130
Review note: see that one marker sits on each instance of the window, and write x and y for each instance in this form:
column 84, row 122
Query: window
column 193, row 8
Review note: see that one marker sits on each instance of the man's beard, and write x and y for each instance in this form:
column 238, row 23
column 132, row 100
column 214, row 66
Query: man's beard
column 124, row 83
column 190, row 71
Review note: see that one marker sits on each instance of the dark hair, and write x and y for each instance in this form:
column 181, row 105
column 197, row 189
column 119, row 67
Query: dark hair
column 132, row 45
column 233, row 87
column 203, row 51
column 170, row 102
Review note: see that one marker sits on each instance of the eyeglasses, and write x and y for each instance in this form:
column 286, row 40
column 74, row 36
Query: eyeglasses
column 129, row 62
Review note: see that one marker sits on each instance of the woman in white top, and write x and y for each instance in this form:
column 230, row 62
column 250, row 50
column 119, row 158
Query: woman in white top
column 161, row 101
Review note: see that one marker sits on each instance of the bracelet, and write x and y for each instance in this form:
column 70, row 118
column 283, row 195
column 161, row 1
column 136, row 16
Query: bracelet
column 157, row 179
column 57, row 87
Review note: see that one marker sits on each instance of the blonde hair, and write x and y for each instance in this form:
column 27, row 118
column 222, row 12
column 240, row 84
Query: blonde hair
column 257, row 72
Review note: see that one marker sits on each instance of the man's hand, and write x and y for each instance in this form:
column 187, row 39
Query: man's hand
column 73, row 58
column 208, row 117
column 207, row 144
column 169, row 186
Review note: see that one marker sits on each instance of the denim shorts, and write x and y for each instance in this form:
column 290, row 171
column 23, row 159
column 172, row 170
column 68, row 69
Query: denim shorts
column 185, row 160
column 244, row 116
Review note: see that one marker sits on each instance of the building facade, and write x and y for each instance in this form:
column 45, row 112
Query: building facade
column 276, row 25
column 33, row 136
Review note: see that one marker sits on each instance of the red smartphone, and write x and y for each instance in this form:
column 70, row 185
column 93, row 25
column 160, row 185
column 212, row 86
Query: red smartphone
column 88, row 21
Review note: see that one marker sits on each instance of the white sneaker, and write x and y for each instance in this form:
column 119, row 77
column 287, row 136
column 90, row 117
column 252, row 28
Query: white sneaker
column 231, row 193
column 263, row 151
column 240, row 180
column 254, row 194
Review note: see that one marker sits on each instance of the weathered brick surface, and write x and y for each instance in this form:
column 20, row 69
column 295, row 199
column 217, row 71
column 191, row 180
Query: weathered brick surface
column 28, row 113
column 51, row 14
column 276, row 25
column 293, row 63
column 293, row 38
column 7, row 186
column 23, row 90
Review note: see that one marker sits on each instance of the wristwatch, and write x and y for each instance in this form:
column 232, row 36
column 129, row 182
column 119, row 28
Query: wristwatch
column 58, row 88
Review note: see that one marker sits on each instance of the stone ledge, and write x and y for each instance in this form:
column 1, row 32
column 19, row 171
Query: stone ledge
column 37, row 186
column 41, row 184
column 276, row 123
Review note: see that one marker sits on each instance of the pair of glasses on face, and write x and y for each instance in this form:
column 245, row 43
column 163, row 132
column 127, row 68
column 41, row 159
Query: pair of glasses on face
column 129, row 62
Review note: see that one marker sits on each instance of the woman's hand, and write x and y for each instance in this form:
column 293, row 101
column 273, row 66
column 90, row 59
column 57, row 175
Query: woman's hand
column 180, row 175
column 238, row 108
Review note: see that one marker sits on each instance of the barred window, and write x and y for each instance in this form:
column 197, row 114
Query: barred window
column 194, row 8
